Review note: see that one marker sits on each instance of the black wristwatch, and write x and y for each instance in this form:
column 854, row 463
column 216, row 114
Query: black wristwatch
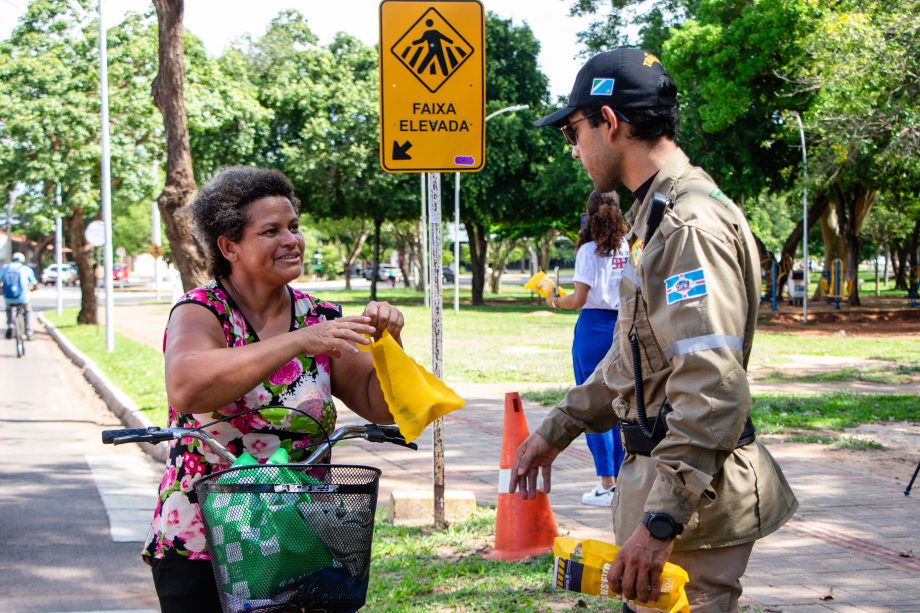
column 662, row 526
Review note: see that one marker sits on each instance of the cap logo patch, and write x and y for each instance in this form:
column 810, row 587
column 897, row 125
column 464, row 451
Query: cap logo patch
column 602, row 87
column 650, row 60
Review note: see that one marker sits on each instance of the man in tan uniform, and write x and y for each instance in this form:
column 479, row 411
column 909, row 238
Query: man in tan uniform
column 696, row 487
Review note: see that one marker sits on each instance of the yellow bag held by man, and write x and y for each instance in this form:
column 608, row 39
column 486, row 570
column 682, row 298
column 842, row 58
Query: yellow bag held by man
column 582, row 565
column 415, row 396
column 543, row 285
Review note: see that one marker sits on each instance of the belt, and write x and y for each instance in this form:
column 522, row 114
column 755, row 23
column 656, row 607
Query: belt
column 635, row 442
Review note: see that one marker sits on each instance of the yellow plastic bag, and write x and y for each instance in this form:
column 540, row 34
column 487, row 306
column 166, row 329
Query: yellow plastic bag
column 543, row 285
column 582, row 565
column 415, row 396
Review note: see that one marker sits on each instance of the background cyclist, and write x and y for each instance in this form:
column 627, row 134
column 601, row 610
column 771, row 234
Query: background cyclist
column 18, row 280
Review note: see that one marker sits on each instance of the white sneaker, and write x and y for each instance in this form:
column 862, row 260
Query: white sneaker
column 599, row 497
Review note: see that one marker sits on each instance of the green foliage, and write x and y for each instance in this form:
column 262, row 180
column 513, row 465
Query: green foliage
column 729, row 63
column 772, row 218
column 49, row 101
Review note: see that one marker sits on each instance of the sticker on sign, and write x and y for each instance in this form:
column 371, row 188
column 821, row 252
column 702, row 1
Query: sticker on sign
column 432, row 86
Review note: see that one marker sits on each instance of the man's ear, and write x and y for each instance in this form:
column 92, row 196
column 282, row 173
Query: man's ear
column 613, row 123
column 227, row 248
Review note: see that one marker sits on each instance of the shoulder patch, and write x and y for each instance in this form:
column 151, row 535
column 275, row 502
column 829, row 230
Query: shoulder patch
column 716, row 194
column 686, row 285
column 635, row 252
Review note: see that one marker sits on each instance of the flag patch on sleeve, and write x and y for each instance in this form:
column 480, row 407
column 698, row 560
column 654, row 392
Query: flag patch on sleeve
column 686, row 285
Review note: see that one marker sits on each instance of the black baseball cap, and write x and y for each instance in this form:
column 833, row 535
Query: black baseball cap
column 625, row 78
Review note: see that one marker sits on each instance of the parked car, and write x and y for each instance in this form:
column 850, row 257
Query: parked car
column 69, row 274
column 383, row 272
column 119, row 272
column 448, row 275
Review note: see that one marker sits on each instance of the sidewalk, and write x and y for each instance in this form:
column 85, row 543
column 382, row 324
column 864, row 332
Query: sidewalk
column 850, row 532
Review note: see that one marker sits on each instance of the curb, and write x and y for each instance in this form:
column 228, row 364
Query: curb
column 116, row 400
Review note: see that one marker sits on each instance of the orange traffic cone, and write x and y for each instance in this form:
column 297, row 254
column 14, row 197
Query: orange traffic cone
column 522, row 527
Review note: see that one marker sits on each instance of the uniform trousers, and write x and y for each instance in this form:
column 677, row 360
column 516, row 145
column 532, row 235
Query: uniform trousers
column 593, row 338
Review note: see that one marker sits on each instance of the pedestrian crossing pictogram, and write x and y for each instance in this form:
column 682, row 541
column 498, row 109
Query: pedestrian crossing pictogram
column 432, row 50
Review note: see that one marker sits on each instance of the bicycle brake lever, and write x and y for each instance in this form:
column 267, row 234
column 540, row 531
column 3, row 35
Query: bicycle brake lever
column 387, row 434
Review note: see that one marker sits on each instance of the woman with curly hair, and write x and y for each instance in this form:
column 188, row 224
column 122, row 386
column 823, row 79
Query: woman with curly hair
column 602, row 254
column 248, row 340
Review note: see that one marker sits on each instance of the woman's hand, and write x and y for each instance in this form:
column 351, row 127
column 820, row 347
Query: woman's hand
column 384, row 316
column 338, row 336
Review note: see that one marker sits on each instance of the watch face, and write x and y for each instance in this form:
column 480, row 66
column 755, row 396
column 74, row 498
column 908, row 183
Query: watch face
column 660, row 528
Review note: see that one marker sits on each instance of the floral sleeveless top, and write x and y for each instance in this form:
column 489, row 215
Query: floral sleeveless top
column 303, row 383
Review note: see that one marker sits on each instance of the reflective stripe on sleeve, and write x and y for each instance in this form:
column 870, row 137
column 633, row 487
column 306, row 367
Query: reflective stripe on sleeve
column 702, row 343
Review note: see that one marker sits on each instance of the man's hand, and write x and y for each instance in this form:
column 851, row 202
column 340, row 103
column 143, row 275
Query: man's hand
column 533, row 455
column 636, row 571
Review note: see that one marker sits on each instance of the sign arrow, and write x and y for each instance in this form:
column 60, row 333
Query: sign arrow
column 400, row 151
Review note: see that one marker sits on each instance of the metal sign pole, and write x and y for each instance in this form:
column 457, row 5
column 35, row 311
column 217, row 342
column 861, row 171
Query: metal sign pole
column 423, row 273
column 106, row 188
column 456, row 242
column 58, row 256
column 805, row 266
column 437, row 305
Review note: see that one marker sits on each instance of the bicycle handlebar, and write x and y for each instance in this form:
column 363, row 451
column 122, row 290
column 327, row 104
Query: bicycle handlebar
column 372, row 432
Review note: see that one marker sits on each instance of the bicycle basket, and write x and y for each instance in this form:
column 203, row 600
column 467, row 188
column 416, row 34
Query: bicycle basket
column 280, row 538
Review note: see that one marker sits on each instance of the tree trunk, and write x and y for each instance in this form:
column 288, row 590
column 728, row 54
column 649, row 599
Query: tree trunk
column 834, row 247
column 532, row 251
column 375, row 266
column 899, row 264
column 169, row 97
column 912, row 246
column 545, row 246
column 410, row 245
column 86, row 270
column 479, row 248
column 793, row 242
column 500, row 254
column 852, row 208
column 359, row 236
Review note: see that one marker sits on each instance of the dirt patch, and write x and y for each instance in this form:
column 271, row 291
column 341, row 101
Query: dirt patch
column 898, row 459
column 877, row 320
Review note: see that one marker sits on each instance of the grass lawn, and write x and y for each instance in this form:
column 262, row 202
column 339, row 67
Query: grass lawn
column 778, row 414
column 514, row 339
column 429, row 569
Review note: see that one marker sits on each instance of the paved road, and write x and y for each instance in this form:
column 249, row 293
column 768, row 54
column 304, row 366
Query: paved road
column 56, row 548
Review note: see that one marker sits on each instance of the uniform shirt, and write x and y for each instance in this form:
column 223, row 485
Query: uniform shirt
column 26, row 280
column 690, row 297
column 601, row 274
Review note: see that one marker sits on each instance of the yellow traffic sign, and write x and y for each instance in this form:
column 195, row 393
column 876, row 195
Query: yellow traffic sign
column 432, row 86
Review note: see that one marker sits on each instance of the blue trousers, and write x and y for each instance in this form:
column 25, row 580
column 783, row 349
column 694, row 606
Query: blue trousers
column 593, row 338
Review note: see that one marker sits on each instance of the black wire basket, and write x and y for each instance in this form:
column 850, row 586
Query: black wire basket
column 290, row 536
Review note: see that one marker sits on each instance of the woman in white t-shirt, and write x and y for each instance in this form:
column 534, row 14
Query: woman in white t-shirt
column 602, row 254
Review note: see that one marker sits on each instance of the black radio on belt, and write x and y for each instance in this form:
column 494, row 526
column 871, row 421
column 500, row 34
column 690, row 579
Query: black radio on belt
column 636, row 442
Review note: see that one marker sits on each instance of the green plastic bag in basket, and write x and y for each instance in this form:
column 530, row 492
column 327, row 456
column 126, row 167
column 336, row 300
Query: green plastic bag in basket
column 261, row 542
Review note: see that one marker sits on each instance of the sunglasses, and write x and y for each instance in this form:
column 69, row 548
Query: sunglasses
column 568, row 130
